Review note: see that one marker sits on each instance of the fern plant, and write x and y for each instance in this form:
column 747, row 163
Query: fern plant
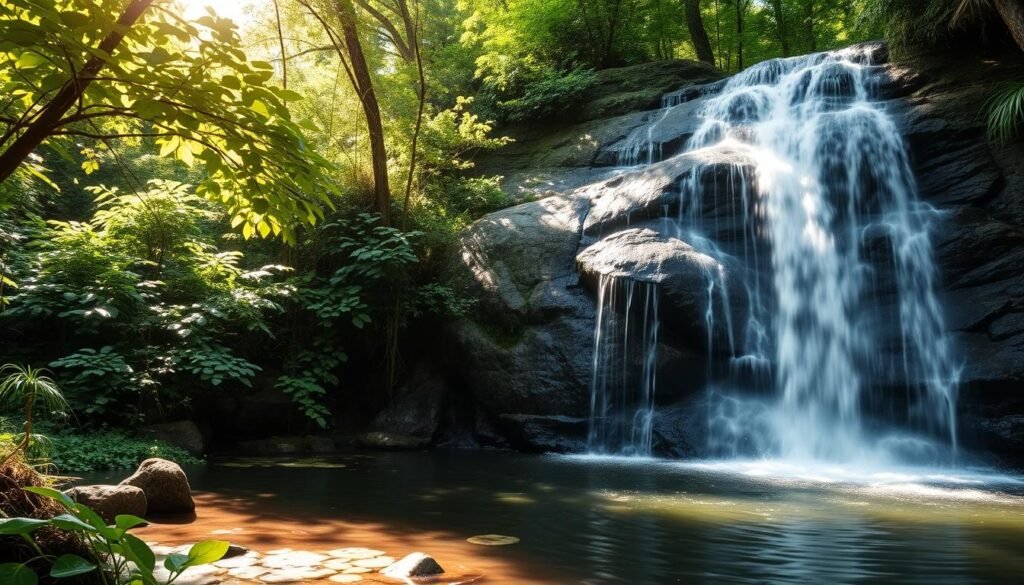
column 1006, row 112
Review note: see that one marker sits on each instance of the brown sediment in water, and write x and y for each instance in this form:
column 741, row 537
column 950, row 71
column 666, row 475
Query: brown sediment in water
column 261, row 527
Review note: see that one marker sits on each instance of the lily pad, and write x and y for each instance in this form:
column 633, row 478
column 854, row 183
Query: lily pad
column 492, row 540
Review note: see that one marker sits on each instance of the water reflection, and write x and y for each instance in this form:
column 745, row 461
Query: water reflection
column 598, row 521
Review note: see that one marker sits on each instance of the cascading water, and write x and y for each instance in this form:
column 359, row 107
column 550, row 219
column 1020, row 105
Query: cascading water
column 843, row 355
column 625, row 356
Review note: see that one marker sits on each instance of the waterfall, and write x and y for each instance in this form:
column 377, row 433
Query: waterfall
column 625, row 357
column 844, row 354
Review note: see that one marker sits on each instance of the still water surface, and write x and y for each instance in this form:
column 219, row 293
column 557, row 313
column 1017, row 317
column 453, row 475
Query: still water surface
column 598, row 521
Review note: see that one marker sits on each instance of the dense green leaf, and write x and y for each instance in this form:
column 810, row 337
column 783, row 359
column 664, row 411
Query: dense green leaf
column 70, row 565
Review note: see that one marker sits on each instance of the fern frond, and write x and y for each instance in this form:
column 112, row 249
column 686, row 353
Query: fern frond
column 1005, row 113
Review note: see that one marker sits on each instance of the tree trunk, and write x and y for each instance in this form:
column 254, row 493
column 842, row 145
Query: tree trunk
column 49, row 119
column 698, row 35
column 778, row 11
column 812, row 44
column 371, row 109
column 740, row 8
column 1012, row 12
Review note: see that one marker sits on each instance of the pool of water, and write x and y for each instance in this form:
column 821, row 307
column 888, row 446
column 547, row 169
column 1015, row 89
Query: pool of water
column 597, row 521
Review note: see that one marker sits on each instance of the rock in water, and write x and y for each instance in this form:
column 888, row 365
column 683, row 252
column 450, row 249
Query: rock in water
column 165, row 485
column 184, row 434
column 413, row 418
column 110, row 500
column 416, row 564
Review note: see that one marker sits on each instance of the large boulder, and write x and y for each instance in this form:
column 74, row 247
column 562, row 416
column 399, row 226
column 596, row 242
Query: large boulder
column 526, row 348
column 723, row 175
column 110, row 501
column 165, row 485
column 690, row 282
column 413, row 419
column 184, row 434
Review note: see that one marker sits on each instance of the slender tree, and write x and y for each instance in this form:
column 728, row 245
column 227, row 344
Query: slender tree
column 779, row 16
column 809, row 15
column 699, row 36
column 741, row 12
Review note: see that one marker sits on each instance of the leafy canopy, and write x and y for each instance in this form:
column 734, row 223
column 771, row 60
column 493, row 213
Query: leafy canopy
column 187, row 86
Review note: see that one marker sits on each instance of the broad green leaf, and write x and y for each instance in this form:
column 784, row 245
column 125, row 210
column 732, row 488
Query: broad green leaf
column 70, row 566
column 289, row 95
column 29, row 60
column 176, row 562
column 127, row 521
column 86, row 513
column 139, row 551
column 52, row 494
column 260, row 108
column 20, row 525
column 17, row 574
column 207, row 551
column 72, row 523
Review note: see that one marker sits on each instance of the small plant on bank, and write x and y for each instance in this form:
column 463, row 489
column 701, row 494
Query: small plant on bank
column 26, row 388
column 120, row 557
column 99, row 451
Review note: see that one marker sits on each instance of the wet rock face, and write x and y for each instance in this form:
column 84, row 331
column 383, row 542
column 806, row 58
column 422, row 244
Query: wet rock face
column 683, row 275
column 978, row 236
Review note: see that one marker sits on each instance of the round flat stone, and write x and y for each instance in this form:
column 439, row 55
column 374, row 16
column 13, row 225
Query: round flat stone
column 355, row 554
column 292, row 559
column 374, row 563
column 338, row 564
column 357, row 570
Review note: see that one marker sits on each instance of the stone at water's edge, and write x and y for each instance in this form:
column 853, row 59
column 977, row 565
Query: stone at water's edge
column 416, row 564
column 110, row 501
column 165, row 485
column 413, row 418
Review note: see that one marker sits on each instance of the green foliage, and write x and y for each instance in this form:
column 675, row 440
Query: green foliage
column 215, row 364
column 1006, row 113
column 88, row 369
column 548, row 93
column 188, row 87
column 28, row 390
column 122, row 558
column 77, row 452
column 307, row 395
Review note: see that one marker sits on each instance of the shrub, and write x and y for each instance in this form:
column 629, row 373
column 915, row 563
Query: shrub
column 110, row 450
column 548, row 94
